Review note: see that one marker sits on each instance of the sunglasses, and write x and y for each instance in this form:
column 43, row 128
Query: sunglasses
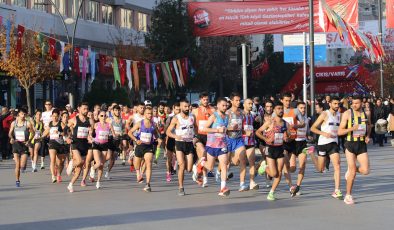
column 48, row 104
column 102, row 115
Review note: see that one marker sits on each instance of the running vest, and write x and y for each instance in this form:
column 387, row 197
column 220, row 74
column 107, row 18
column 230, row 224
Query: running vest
column 21, row 134
column 302, row 132
column 118, row 127
column 218, row 140
column 185, row 128
column 145, row 135
column 202, row 117
column 161, row 122
column 276, row 134
column 291, row 118
column 235, row 122
column 102, row 133
column 81, row 129
column 330, row 126
column 38, row 128
column 55, row 132
column 248, row 120
column 359, row 134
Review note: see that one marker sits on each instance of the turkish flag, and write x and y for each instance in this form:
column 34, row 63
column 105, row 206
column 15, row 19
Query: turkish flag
column 122, row 71
column 158, row 71
column 21, row 30
column 390, row 14
column 52, row 48
column 77, row 50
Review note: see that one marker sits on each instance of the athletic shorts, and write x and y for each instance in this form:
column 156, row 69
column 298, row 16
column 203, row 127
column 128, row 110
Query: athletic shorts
column 234, row 143
column 170, row 146
column 54, row 145
column 125, row 137
column 100, row 147
column 82, row 146
column 202, row 139
column 249, row 146
column 113, row 144
column 185, row 147
column 356, row 147
column 20, row 148
column 162, row 136
column 300, row 145
column 215, row 152
column 290, row 147
column 328, row 149
column 275, row 152
column 66, row 149
column 140, row 150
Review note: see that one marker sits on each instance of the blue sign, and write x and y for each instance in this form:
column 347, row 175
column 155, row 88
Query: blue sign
column 294, row 54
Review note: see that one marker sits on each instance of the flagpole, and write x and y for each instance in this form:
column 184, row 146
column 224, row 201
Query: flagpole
column 312, row 56
column 380, row 35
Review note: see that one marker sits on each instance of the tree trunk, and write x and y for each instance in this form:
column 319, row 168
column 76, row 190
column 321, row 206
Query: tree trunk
column 28, row 100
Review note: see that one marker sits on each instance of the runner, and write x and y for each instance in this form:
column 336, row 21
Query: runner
column 170, row 144
column 248, row 136
column 35, row 144
column 46, row 118
column 216, row 146
column 235, row 143
column 114, row 142
column 274, row 132
column 66, row 135
column 56, row 146
column 202, row 113
column 144, row 149
column 357, row 126
column 185, row 129
column 81, row 127
column 136, row 118
column 160, row 121
column 20, row 131
column 328, row 142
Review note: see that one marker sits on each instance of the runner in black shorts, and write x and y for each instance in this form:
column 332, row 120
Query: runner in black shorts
column 170, row 145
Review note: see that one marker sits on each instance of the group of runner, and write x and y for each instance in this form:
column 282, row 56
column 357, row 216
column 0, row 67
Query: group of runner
column 194, row 140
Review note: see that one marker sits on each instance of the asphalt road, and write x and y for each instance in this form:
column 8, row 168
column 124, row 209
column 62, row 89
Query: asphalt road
column 121, row 204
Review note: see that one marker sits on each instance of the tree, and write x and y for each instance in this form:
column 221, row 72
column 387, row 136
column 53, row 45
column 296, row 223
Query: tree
column 32, row 65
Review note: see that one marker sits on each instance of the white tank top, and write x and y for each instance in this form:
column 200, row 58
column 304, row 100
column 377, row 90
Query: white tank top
column 331, row 126
column 302, row 132
column 185, row 128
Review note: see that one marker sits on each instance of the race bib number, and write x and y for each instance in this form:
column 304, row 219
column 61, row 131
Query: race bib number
column 54, row 133
column 103, row 135
column 289, row 120
column 248, row 127
column 146, row 137
column 82, row 132
column 360, row 132
column 37, row 134
column 118, row 130
column 301, row 133
column 278, row 139
column 334, row 130
column 236, row 124
column 201, row 125
column 20, row 136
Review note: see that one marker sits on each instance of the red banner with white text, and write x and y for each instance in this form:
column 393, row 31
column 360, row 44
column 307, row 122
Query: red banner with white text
column 390, row 14
column 262, row 17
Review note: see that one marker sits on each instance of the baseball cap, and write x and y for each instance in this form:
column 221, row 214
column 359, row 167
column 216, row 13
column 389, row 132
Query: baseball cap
column 147, row 102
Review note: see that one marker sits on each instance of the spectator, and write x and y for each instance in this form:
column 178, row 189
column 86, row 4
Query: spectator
column 379, row 113
column 7, row 117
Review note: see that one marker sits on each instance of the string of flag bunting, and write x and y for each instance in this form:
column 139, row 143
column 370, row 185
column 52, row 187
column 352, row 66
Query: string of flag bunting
column 126, row 72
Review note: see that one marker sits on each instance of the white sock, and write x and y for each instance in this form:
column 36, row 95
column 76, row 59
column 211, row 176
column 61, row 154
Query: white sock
column 241, row 184
column 222, row 184
column 272, row 191
column 205, row 179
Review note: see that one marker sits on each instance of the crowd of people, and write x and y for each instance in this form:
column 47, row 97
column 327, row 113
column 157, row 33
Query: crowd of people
column 205, row 139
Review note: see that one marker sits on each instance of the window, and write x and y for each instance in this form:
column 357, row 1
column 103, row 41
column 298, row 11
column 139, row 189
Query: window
column 107, row 13
column 19, row 2
column 39, row 5
column 92, row 11
column 75, row 7
column 60, row 5
column 142, row 26
column 126, row 18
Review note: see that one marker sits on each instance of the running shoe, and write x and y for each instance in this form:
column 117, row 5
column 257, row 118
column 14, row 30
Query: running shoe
column 210, row 174
column 140, row 179
column 194, row 175
column 181, row 192
column 253, row 186
column 69, row 168
column 123, row 162
column 42, row 166
column 295, row 191
column 200, row 165
column 168, row 177
column 271, row 196
column 83, row 183
column 35, row 170
column 337, row 195
column 92, row 172
column 204, row 182
column 230, row 175
column 17, row 184
column 224, row 192
column 292, row 190
column 70, row 188
column 348, row 199
column 107, row 176
column 59, row 179
column 308, row 150
column 147, row 188
column 262, row 168
column 54, row 179
column 243, row 188
column 98, row 185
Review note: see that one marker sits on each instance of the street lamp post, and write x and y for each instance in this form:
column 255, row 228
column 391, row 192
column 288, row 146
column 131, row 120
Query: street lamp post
column 380, row 35
column 69, row 21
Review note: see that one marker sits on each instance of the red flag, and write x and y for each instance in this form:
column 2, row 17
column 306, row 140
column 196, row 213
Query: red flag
column 184, row 69
column 158, row 71
column 77, row 50
column 52, row 48
column 172, row 70
column 21, row 30
column 390, row 14
column 122, row 71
